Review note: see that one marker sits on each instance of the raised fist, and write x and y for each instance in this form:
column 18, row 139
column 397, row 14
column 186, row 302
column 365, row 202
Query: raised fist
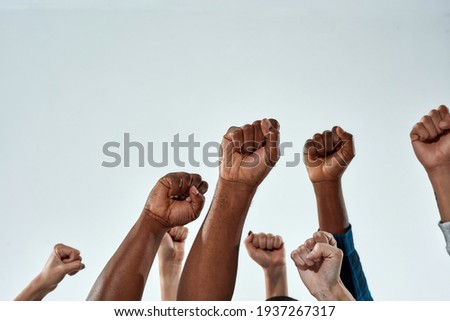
column 430, row 139
column 327, row 155
column 250, row 152
column 64, row 260
column 177, row 199
column 172, row 245
column 319, row 262
column 266, row 249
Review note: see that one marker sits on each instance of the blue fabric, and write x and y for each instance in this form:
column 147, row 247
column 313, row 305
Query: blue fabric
column 352, row 274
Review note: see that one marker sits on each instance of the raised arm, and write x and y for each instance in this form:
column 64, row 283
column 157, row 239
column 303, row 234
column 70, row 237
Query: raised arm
column 176, row 200
column 268, row 251
column 64, row 260
column 170, row 257
column 248, row 155
column 430, row 139
column 326, row 157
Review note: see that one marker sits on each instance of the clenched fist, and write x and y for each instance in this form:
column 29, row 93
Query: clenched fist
column 172, row 245
column 250, row 152
column 177, row 199
column 170, row 256
column 327, row 155
column 64, row 260
column 430, row 139
column 266, row 249
column 319, row 262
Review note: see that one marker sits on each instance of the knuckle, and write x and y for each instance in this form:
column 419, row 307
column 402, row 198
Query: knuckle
column 317, row 136
column 443, row 108
column 57, row 246
column 425, row 118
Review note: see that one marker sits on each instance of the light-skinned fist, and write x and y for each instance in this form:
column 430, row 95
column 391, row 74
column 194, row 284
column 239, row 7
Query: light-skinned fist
column 172, row 245
column 266, row 249
column 64, row 260
column 319, row 261
column 430, row 139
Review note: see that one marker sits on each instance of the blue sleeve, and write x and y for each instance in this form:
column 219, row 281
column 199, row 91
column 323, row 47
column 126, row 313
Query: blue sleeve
column 352, row 274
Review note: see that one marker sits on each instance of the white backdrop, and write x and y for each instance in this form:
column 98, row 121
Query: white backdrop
column 73, row 77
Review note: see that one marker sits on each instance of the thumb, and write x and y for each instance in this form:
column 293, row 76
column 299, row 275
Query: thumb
column 72, row 267
column 347, row 151
column 271, row 131
column 343, row 135
column 248, row 242
column 249, row 239
column 445, row 123
column 197, row 200
column 322, row 251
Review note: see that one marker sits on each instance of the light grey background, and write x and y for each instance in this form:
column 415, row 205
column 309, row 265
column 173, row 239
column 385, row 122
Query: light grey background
column 73, row 77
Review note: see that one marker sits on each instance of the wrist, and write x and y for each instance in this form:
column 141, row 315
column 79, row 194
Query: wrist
column 331, row 207
column 224, row 184
column 152, row 222
column 36, row 290
column 327, row 184
column 169, row 268
column 274, row 270
column 276, row 281
column 327, row 188
column 336, row 292
column 41, row 284
column 439, row 173
column 440, row 180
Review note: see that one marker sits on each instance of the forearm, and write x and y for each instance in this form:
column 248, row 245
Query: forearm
column 276, row 282
column 125, row 275
column 169, row 278
column 331, row 207
column 337, row 292
column 214, row 254
column 440, row 180
column 35, row 291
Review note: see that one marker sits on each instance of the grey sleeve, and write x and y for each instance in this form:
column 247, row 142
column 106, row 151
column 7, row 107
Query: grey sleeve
column 445, row 227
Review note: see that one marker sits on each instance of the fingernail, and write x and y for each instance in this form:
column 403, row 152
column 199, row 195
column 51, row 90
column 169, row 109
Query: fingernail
column 249, row 232
column 196, row 192
column 82, row 266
